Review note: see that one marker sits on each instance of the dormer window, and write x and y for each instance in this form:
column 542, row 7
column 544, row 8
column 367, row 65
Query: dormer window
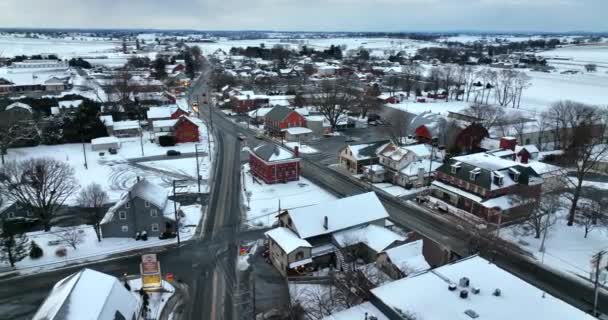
column 455, row 167
column 498, row 178
column 474, row 173
column 514, row 174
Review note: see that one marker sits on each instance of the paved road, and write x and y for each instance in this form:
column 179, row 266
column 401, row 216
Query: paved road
column 461, row 241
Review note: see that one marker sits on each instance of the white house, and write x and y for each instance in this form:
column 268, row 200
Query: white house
column 88, row 294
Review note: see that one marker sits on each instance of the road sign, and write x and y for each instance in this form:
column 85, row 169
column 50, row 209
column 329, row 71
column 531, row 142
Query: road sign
column 169, row 277
column 149, row 269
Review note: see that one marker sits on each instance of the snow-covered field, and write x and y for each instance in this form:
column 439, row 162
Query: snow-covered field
column 90, row 249
column 64, row 48
column 264, row 199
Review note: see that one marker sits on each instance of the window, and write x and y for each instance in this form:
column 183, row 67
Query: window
column 514, row 174
column 300, row 255
column 147, row 204
column 455, row 167
column 153, row 213
column 474, row 173
column 125, row 228
column 11, row 215
column 29, row 213
column 154, row 227
column 128, row 204
column 497, row 178
column 122, row 215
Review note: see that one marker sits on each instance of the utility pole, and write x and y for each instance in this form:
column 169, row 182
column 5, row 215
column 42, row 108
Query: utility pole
column 84, row 153
column 198, row 167
column 433, row 143
column 597, row 260
column 141, row 141
column 176, row 215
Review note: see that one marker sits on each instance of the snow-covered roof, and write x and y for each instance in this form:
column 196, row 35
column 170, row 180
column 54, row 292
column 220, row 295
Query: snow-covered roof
column 104, row 140
column 375, row 237
column 358, row 312
column 297, row 130
column 163, row 111
column 408, row 257
column 164, row 123
column 260, row 112
column 414, row 168
column 287, row 239
column 87, row 294
column 19, row 105
column 272, row 152
column 486, row 161
column 529, row 147
column 69, row 104
column 543, row 169
column 363, row 151
column 427, row 295
column 143, row 189
column 126, row 125
column 421, row 150
column 107, row 120
column 341, row 213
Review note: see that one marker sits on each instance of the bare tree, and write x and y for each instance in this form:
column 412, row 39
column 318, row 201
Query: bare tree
column 522, row 81
column 436, row 77
column 335, row 99
column 93, row 198
column 504, row 86
column 41, row 185
column 488, row 79
column 411, row 73
column 71, row 236
column 14, row 132
column 397, row 125
column 369, row 101
column 584, row 141
column 448, row 74
column 591, row 214
column 490, row 116
column 543, row 216
column 467, row 77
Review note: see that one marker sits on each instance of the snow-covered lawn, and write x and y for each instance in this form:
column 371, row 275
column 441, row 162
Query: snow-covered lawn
column 304, row 148
column 90, row 249
column 316, row 299
column 396, row 190
column 264, row 199
column 566, row 248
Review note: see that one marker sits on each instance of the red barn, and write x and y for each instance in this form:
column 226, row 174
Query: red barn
column 273, row 164
column 178, row 113
column 246, row 103
column 185, row 130
column 280, row 118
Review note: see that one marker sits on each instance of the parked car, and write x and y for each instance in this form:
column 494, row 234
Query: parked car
column 112, row 151
column 173, row 153
column 241, row 137
column 259, row 135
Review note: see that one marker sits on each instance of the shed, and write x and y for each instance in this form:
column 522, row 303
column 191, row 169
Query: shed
column 105, row 143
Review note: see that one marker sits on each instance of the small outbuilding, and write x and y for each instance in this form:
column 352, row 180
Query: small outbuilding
column 105, row 143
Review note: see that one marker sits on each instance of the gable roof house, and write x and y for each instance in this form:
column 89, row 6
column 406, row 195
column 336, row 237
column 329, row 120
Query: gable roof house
column 482, row 186
column 144, row 207
column 280, row 118
column 273, row 163
column 328, row 227
column 354, row 157
column 404, row 260
column 407, row 165
column 88, row 294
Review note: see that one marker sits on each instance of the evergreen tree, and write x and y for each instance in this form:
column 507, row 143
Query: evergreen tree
column 137, row 46
column 51, row 133
column 124, row 45
column 35, row 251
column 13, row 246
column 160, row 68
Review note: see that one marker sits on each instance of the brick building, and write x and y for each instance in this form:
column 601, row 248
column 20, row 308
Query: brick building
column 280, row 118
column 273, row 164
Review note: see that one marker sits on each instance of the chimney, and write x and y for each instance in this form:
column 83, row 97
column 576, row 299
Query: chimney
column 508, row 143
column 325, row 223
column 296, row 151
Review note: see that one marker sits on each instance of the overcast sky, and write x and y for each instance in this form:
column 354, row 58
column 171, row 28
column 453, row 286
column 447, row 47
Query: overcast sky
column 311, row 15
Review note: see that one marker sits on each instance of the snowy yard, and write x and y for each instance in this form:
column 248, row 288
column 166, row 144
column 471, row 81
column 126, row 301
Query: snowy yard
column 113, row 172
column 90, row 249
column 264, row 199
column 566, row 248
column 435, row 106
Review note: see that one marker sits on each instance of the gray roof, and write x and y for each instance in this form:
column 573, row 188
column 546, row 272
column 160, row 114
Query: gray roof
column 266, row 151
column 278, row 113
column 370, row 151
